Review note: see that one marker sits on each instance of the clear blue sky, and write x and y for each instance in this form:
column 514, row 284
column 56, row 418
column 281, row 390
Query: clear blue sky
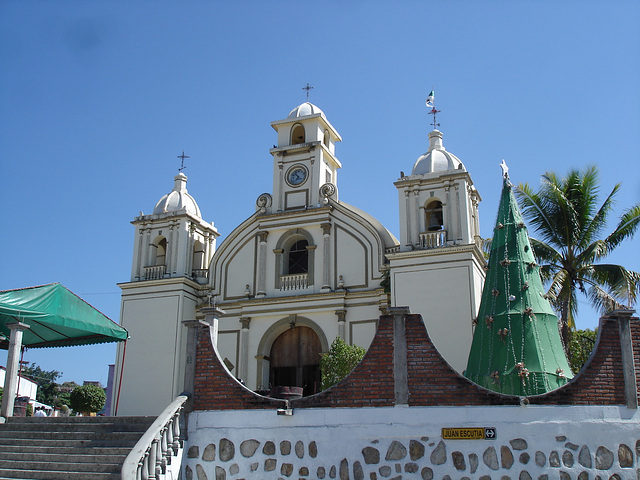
column 98, row 98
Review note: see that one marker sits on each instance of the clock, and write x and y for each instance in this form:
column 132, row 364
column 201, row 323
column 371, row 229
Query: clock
column 297, row 175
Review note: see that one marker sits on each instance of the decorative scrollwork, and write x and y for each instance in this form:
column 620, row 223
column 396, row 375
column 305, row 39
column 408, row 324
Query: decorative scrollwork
column 327, row 190
column 264, row 202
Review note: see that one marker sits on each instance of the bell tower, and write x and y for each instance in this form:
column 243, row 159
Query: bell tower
column 304, row 158
column 172, row 251
column 438, row 269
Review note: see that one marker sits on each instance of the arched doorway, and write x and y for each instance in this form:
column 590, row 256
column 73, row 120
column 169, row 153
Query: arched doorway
column 295, row 360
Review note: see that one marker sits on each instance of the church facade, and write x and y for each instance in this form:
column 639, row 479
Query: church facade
column 304, row 268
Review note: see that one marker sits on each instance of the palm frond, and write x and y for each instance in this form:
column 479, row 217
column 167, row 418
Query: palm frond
column 593, row 226
column 539, row 214
column 602, row 300
column 544, row 252
column 626, row 228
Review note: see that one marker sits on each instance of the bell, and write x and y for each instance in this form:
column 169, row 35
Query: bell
column 434, row 224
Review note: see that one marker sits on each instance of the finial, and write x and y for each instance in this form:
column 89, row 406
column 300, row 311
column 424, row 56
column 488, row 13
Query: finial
column 505, row 170
column 430, row 103
column 308, row 88
column 183, row 156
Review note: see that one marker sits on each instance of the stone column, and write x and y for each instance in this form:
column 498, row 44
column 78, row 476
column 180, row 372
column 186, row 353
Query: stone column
column 626, row 350
column 416, row 200
column 168, row 259
column 458, row 213
column 281, row 183
column 447, row 211
column 139, row 257
column 150, row 248
column 408, row 217
column 326, row 257
column 476, row 220
column 190, row 364
column 342, row 324
column 262, row 264
column 243, row 355
column 401, row 384
column 13, row 364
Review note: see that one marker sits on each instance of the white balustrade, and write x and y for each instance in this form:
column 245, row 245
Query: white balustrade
column 297, row 281
column 433, row 239
column 151, row 458
column 155, row 272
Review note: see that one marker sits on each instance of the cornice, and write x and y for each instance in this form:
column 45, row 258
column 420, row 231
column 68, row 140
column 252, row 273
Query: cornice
column 469, row 248
column 160, row 282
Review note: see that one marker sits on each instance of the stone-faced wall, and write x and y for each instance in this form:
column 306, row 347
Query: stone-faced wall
column 531, row 442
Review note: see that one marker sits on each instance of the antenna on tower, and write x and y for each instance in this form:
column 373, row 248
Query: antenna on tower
column 308, row 88
column 182, row 157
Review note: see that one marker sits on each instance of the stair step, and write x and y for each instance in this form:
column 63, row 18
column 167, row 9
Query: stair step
column 68, row 448
column 10, row 473
column 63, row 435
column 71, row 457
column 61, row 466
column 37, row 450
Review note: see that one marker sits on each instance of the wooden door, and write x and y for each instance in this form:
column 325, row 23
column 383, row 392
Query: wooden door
column 295, row 360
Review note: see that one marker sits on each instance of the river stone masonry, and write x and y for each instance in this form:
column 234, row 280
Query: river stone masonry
column 419, row 458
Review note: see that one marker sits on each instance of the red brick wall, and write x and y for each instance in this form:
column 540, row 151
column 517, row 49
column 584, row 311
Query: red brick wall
column 215, row 389
column 370, row 384
column 601, row 381
column 431, row 381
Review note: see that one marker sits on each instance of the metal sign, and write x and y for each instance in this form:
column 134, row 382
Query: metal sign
column 474, row 433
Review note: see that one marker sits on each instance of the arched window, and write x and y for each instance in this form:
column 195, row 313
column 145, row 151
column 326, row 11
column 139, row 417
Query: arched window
column 434, row 218
column 298, row 258
column 325, row 140
column 294, row 260
column 198, row 256
column 158, row 252
column 297, row 134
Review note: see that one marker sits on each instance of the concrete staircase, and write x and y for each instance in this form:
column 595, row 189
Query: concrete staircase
column 67, row 448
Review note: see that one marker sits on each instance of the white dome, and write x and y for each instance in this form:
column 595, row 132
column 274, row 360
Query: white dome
column 178, row 199
column 437, row 159
column 304, row 110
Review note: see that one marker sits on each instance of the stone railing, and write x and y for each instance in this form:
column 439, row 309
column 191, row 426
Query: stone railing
column 433, row 239
column 158, row 453
column 394, row 249
column 155, row 272
column 297, row 281
column 200, row 275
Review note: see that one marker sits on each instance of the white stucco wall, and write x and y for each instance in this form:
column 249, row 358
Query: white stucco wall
column 536, row 440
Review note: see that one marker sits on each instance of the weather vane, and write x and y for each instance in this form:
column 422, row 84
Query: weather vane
column 434, row 112
column 182, row 157
column 307, row 88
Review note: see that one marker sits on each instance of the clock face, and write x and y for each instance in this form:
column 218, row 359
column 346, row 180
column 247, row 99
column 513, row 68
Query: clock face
column 296, row 175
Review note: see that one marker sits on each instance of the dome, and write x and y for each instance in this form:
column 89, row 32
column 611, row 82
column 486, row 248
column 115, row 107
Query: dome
column 437, row 159
column 304, row 110
column 178, row 199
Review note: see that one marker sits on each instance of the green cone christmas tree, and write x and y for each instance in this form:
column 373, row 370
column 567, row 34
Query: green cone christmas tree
column 516, row 346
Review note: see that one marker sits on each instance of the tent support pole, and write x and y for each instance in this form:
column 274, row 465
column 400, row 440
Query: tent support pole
column 13, row 363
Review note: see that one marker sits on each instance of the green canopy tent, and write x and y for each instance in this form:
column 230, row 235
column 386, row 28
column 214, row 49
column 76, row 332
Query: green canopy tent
column 48, row 316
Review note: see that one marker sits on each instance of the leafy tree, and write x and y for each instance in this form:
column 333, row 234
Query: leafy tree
column 47, row 387
column 580, row 348
column 64, row 393
column 88, row 398
column 338, row 362
column 570, row 223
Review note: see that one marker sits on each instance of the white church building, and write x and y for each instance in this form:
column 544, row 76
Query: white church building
column 304, row 268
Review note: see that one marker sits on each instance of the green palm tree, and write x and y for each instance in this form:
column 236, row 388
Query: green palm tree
column 569, row 222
